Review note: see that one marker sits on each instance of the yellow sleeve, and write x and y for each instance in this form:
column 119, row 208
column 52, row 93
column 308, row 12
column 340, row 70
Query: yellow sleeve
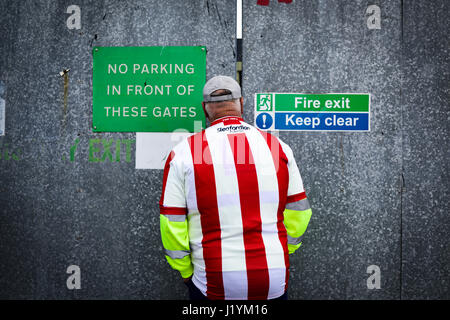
column 175, row 240
column 296, row 219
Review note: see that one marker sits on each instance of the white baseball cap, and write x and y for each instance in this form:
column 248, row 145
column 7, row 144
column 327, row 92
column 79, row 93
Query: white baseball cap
column 218, row 83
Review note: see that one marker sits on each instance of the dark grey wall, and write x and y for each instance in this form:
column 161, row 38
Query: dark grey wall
column 379, row 198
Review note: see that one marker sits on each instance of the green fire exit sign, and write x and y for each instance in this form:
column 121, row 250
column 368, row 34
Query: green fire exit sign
column 148, row 89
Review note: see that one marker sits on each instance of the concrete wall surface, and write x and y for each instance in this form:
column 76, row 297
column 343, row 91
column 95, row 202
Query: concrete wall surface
column 378, row 198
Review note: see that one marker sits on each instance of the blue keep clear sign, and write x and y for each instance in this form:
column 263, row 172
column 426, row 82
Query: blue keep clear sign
column 313, row 112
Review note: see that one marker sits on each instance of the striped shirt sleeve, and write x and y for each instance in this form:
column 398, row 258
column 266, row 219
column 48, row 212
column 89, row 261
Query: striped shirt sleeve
column 297, row 213
column 296, row 191
column 173, row 199
column 173, row 220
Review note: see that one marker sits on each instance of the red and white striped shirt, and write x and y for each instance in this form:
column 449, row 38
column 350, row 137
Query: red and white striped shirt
column 233, row 182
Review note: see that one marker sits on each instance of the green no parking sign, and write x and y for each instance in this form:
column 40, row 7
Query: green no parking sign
column 148, row 89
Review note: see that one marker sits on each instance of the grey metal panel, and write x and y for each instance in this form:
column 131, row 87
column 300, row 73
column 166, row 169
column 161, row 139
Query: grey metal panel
column 351, row 179
column 101, row 216
column 426, row 114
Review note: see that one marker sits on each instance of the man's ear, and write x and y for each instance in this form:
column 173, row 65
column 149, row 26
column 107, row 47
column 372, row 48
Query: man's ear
column 242, row 105
column 204, row 110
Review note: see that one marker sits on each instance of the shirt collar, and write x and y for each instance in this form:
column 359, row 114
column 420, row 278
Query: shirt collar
column 228, row 120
